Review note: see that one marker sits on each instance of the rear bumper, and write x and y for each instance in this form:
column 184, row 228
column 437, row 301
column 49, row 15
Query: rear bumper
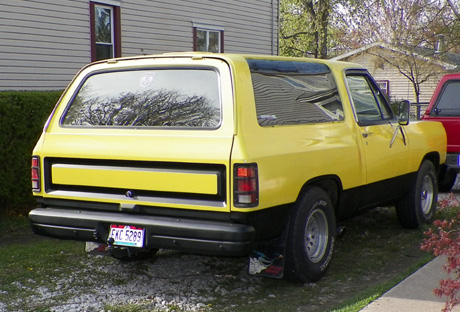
column 197, row 236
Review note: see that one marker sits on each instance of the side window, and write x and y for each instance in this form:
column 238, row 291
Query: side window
column 368, row 101
column 208, row 38
column 105, row 31
column 449, row 101
column 292, row 93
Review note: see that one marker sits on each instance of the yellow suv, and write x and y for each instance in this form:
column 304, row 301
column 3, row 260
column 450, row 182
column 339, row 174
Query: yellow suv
column 229, row 155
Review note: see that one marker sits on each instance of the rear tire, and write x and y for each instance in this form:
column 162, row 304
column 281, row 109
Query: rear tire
column 447, row 182
column 311, row 237
column 418, row 206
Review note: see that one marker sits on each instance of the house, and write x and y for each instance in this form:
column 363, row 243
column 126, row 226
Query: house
column 384, row 60
column 43, row 43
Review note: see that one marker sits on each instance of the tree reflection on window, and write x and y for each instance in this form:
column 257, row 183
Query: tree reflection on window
column 292, row 93
column 136, row 106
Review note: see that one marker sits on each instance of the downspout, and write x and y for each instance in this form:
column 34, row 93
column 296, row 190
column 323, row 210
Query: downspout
column 273, row 28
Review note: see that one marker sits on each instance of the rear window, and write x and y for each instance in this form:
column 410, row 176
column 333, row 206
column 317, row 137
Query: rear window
column 449, row 102
column 288, row 92
column 167, row 98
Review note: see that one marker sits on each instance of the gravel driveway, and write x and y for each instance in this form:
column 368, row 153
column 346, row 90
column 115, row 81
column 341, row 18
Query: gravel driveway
column 170, row 281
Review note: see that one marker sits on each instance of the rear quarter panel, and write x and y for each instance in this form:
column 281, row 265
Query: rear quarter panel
column 289, row 156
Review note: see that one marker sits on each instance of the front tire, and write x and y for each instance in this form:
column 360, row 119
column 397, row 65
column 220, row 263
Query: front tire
column 418, row 206
column 311, row 236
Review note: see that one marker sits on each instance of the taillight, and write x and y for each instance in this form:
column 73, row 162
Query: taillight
column 245, row 185
column 35, row 174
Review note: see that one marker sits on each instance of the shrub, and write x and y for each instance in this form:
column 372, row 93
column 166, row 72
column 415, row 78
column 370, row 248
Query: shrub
column 444, row 239
column 22, row 116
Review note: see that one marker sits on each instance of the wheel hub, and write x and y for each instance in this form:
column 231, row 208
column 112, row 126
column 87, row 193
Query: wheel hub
column 316, row 236
column 427, row 195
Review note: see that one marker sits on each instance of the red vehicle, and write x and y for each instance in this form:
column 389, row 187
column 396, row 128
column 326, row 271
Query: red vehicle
column 445, row 107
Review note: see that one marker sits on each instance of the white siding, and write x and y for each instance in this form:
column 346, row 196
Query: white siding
column 160, row 26
column 43, row 43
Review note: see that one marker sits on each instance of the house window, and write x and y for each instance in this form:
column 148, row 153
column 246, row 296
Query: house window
column 105, row 31
column 208, row 38
column 384, row 85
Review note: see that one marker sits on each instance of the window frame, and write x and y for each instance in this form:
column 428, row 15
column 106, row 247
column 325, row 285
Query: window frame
column 208, row 28
column 115, row 31
column 380, row 99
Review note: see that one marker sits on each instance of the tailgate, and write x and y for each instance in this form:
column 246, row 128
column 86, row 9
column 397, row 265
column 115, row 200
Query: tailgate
column 139, row 172
column 136, row 178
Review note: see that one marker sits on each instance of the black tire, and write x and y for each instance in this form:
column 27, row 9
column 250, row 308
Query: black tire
column 418, row 206
column 447, row 182
column 311, row 237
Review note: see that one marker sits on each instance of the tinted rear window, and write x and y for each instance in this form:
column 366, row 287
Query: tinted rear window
column 289, row 92
column 449, row 102
column 185, row 98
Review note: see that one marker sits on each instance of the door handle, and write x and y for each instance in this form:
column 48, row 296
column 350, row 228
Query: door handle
column 366, row 134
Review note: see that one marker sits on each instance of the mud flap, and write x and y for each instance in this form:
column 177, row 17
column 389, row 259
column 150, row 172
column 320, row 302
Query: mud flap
column 96, row 249
column 267, row 260
column 108, row 250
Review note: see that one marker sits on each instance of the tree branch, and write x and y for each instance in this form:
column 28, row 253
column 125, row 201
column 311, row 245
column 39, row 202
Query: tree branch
column 296, row 35
column 454, row 9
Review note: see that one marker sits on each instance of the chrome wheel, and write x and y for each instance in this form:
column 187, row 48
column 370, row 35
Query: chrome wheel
column 311, row 237
column 427, row 194
column 316, row 236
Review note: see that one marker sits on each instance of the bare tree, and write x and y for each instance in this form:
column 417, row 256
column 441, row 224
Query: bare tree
column 408, row 22
column 415, row 64
column 417, row 32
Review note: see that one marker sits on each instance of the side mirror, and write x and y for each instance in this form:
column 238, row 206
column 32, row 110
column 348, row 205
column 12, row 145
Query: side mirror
column 403, row 120
column 403, row 115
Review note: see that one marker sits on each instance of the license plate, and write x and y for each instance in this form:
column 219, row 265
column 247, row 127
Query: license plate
column 126, row 235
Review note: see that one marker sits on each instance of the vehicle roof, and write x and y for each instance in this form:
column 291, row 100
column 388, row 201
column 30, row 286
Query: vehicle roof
column 231, row 57
column 450, row 76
